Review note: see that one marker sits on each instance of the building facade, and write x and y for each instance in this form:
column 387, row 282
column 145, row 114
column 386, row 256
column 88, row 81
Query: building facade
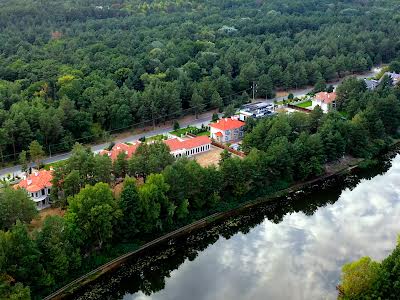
column 327, row 101
column 256, row 110
column 227, row 130
column 188, row 147
column 38, row 185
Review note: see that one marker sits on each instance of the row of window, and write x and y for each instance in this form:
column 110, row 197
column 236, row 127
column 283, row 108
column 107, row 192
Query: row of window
column 41, row 193
column 194, row 151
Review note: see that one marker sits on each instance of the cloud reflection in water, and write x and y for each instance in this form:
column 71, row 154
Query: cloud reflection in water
column 299, row 258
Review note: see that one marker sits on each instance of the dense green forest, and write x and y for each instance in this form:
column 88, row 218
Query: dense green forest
column 74, row 70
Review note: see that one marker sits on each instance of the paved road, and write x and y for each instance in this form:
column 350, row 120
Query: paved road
column 202, row 120
column 16, row 170
column 303, row 92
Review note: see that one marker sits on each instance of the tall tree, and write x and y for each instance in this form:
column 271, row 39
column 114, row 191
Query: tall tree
column 95, row 211
column 36, row 152
column 197, row 103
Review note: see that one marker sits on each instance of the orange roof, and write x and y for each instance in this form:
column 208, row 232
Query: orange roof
column 227, row 124
column 325, row 97
column 219, row 133
column 121, row 147
column 177, row 144
column 36, row 181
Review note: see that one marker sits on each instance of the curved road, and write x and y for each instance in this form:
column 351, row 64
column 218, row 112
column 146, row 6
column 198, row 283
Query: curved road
column 205, row 119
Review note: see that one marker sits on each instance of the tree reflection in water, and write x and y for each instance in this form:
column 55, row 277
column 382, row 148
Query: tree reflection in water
column 147, row 273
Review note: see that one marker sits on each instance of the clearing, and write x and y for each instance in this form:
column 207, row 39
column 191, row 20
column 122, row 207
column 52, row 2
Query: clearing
column 209, row 158
column 38, row 222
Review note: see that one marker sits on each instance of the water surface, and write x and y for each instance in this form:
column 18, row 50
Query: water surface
column 292, row 250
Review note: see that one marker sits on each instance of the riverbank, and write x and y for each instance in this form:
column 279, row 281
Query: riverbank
column 68, row 290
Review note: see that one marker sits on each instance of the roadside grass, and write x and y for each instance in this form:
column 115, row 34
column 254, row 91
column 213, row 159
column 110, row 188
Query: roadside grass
column 305, row 104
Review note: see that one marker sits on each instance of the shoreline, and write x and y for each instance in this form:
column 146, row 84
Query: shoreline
column 80, row 282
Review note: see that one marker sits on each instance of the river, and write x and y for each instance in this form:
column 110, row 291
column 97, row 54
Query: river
column 292, row 249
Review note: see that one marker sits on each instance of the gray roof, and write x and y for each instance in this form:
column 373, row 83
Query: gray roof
column 371, row 83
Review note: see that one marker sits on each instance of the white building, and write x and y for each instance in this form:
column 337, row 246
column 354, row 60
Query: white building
column 227, row 130
column 327, row 101
column 38, row 185
column 188, row 147
column 256, row 110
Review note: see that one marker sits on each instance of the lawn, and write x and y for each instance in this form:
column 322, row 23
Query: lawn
column 305, row 104
column 54, row 164
column 194, row 130
column 205, row 133
column 158, row 137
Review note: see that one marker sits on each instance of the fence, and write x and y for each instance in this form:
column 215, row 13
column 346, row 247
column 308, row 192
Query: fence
column 299, row 108
column 225, row 147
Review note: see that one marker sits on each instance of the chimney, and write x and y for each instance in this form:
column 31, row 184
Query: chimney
column 29, row 181
column 36, row 173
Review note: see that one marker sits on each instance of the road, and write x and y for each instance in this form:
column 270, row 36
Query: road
column 16, row 170
column 302, row 92
column 205, row 119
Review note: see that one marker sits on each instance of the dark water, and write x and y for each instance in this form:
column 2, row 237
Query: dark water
column 293, row 249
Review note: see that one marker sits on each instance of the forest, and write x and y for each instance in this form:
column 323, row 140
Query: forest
column 78, row 70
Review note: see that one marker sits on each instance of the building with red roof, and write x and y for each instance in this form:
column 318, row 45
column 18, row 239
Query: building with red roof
column 325, row 100
column 128, row 149
column 227, row 130
column 188, row 147
column 38, row 185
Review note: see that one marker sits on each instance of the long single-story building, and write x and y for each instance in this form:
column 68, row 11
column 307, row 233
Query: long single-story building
column 188, row 147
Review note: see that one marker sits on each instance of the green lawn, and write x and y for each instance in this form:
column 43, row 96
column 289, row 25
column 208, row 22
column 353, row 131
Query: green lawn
column 54, row 164
column 182, row 131
column 305, row 104
column 158, row 137
column 205, row 133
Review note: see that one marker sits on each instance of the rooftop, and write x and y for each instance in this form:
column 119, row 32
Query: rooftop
column 325, row 97
column 395, row 77
column 179, row 144
column 36, row 181
column 227, row 124
column 121, row 147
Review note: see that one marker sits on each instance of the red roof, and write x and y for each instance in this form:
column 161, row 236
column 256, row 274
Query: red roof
column 325, row 97
column 121, row 147
column 219, row 133
column 36, row 181
column 177, row 144
column 227, row 124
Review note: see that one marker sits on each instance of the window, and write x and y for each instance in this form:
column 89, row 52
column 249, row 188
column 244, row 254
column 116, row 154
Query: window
column 43, row 192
